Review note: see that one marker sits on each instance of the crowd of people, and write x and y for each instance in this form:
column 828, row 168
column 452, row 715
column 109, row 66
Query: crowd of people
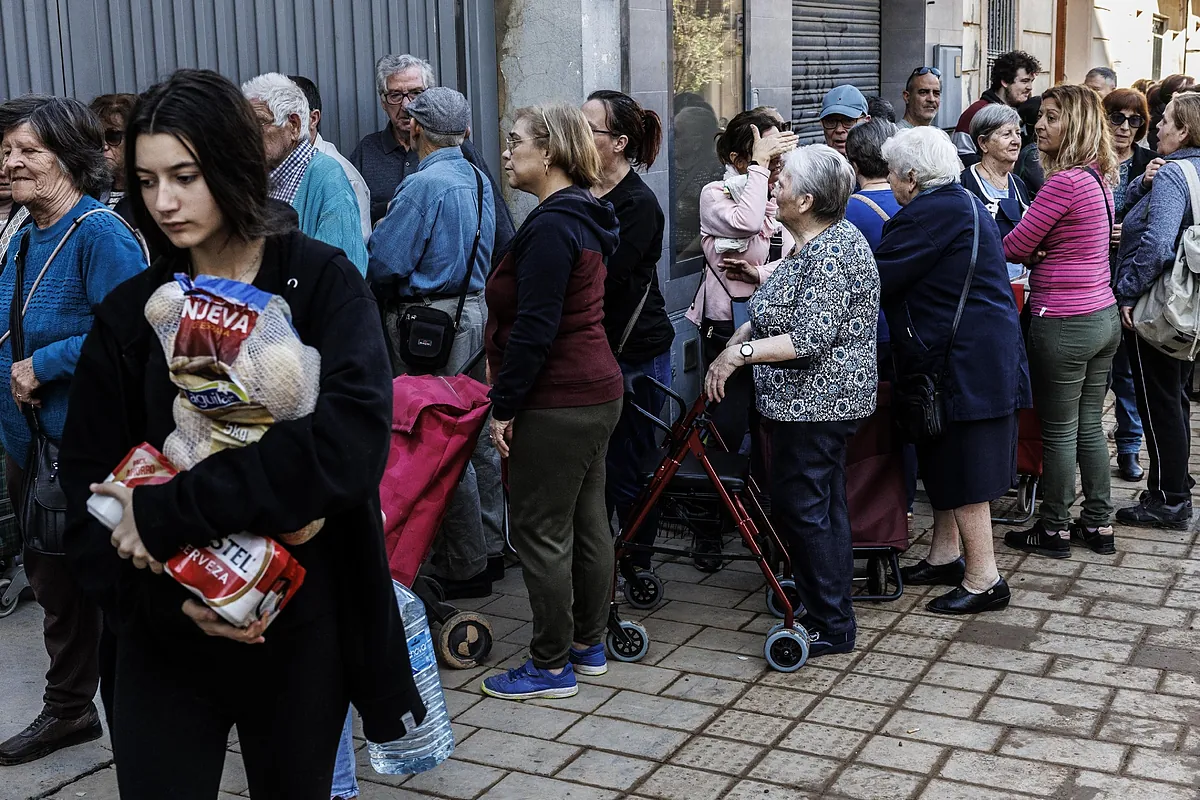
column 892, row 252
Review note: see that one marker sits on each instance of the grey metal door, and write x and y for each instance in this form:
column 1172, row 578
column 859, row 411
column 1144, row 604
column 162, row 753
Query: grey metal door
column 833, row 42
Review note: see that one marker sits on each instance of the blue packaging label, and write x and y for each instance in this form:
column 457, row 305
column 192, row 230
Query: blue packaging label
column 420, row 651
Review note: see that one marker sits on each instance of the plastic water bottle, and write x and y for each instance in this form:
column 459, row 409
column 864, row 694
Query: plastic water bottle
column 426, row 745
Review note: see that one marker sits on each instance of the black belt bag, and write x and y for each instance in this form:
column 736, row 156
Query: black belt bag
column 426, row 335
column 918, row 399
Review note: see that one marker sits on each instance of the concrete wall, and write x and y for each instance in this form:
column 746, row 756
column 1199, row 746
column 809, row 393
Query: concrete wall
column 944, row 24
column 770, row 56
column 907, row 43
column 1118, row 33
column 974, row 42
column 1035, row 35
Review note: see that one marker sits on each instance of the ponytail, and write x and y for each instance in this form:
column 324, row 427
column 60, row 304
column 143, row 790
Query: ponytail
column 641, row 126
column 651, row 141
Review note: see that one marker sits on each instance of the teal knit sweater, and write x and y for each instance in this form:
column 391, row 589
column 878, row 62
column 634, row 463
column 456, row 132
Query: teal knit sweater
column 100, row 255
column 329, row 211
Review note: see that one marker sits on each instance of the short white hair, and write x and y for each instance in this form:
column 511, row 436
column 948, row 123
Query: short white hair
column 926, row 153
column 282, row 96
column 824, row 173
column 389, row 65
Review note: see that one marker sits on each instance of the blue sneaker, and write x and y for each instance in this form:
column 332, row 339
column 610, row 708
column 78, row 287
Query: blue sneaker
column 590, row 661
column 527, row 682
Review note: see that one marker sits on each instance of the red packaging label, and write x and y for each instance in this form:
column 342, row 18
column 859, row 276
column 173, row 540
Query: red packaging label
column 213, row 325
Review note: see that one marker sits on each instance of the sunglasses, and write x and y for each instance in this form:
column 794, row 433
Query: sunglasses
column 934, row 71
column 113, row 137
column 1118, row 119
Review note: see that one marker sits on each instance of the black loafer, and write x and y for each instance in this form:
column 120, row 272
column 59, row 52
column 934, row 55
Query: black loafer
column 959, row 601
column 925, row 574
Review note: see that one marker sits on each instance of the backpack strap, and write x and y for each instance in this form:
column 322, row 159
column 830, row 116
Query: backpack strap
column 869, row 203
column 1193, row 182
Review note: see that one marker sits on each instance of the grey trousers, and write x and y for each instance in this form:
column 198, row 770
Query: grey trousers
column 560, row 525
column 473, row 529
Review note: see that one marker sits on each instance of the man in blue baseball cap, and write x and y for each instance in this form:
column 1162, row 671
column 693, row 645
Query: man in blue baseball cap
column 843, row 107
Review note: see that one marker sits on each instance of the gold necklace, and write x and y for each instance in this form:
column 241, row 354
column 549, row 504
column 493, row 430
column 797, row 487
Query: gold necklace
column 992, row 178
column 255, row 263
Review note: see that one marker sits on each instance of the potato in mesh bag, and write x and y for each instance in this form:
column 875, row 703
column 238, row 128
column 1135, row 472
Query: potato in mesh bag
column 163, row 311
column 276, row 368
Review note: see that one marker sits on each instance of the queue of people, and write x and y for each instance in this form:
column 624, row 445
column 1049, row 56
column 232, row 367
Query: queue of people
column 827, row 268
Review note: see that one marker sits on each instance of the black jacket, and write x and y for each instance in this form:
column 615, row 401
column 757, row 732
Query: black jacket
column 327, row 465
column 632, row 270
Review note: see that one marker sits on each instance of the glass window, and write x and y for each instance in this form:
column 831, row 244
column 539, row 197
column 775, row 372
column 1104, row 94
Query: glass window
column 1158, row 28
column 709, row 81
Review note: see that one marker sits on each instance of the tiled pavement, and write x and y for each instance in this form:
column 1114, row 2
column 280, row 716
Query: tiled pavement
column 1087, row 687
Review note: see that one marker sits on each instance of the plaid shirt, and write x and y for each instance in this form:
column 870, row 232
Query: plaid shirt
column 286, row 178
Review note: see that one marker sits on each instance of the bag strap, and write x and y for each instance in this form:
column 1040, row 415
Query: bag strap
column 637, row 312
column 962, row 298
column 466, row 281
column 1104, row 194
column 1193, row 182
column 16, row 324
column 871, row 204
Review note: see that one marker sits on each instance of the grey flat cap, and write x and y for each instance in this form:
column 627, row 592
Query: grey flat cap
column 442, row 110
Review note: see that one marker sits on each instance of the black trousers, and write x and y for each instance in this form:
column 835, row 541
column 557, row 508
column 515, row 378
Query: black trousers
column 1161, row 384
column 71, row 628
column 175, row 706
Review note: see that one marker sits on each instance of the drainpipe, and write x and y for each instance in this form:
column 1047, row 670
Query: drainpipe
column 1060, row 41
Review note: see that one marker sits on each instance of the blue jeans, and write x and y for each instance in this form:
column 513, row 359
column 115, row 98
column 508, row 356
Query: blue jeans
column 808, row 487
column 1129, row 422
column 345, row 781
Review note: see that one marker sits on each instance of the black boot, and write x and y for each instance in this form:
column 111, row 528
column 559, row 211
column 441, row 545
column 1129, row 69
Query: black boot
column 1154, row 512
column 1129, row 468
column 48, row 733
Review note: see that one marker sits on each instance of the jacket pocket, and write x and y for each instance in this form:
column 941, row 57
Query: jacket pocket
column 910, row 330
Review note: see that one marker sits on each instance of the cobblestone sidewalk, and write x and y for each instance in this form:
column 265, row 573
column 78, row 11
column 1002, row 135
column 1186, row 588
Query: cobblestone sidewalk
column 1087, row 687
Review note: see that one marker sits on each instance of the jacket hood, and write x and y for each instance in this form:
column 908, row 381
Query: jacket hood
column 598, row 215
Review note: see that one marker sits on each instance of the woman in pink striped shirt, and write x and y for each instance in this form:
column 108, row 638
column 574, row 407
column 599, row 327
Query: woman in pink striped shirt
column 1075, row 326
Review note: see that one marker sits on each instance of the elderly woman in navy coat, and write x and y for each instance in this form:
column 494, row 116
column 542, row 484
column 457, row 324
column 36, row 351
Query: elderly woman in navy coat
column 923, row 261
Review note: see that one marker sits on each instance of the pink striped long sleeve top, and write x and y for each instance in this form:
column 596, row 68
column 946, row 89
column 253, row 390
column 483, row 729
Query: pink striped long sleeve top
column 1069, row 220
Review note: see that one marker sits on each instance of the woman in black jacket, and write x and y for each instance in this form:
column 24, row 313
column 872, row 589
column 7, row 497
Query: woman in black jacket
column 628, row 137
column 183, row 677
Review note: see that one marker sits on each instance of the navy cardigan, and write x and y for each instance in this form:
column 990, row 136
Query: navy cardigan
column 923, row 260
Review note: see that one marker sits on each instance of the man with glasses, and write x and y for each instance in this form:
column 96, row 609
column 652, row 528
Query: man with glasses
column 843, row 108
column 386, row 157
column 922, row 97
column 113, row 112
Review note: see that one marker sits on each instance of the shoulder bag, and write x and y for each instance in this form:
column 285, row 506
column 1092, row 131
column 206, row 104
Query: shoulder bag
column 918, row 399
column 426, row 335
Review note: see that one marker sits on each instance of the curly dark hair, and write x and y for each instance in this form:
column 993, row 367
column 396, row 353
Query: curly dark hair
column 1009, row 64
column 69, row 130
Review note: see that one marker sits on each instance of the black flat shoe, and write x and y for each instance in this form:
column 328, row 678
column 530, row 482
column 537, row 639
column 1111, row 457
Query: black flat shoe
column 959, row 601
column 925, row 574
column 1040, row 541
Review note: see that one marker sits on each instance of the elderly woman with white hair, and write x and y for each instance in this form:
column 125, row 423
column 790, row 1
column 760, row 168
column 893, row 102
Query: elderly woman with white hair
column 954, row 323
column 996, row 132
column 811, row 339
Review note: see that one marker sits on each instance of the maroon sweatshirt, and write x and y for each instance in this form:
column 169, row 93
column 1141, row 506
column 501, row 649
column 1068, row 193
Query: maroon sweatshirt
column 545, row 339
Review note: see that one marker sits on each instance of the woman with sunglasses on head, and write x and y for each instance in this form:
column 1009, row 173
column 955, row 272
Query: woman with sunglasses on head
column 184, row 677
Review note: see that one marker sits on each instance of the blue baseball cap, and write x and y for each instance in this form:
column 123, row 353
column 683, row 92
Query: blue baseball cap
column 846, row 100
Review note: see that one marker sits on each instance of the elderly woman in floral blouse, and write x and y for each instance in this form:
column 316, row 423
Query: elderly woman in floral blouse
column 811, row 339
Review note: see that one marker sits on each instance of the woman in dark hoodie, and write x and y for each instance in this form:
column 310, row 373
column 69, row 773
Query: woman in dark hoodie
column 556, row 397
column 184, row 677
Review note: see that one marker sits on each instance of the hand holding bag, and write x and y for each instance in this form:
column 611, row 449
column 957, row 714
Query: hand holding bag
column 426, row 334
column 918, row 399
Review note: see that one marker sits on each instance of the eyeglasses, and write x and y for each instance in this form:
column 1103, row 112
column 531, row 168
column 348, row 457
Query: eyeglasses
column 934, row 71
column 833, row 123
column 511, row 142
column 113, row 137
column 398, row 98
column 613, row 134
column 1118, row 119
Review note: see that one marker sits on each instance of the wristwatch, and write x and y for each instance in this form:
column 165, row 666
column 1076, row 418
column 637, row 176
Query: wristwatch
column 747, row 351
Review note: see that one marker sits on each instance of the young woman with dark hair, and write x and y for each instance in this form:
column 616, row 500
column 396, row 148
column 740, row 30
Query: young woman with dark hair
column 639, row 332
column 183, row 676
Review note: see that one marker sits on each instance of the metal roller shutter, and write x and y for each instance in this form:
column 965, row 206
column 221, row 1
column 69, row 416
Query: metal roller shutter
column 833, row 42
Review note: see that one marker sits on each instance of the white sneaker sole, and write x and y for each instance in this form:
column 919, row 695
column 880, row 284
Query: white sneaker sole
column 591, row 672
column 553, row 694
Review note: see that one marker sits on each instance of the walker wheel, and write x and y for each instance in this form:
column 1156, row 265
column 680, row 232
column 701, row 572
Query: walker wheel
column 789, row 591
column 1025, row 491
column 631, row 644
column 7, row 604
column 465, row 640
column 786, row 650
column 877, row 575
column 644, row 591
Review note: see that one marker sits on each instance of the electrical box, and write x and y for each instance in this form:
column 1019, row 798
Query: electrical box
column 948, row 59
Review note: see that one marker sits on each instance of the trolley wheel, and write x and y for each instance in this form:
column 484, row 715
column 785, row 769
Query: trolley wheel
column 634, row 646
column 877, row 575
column 1025, row 491
column 7, row 606
column 789, row 591
column 465, row 640
column 786, row 650
column 644, row 591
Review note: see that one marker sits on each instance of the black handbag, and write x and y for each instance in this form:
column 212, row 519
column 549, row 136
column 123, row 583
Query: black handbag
column 42, row 507
column 918, row 399
column 425, row 335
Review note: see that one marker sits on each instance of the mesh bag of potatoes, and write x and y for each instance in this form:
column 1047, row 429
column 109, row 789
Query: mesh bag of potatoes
column 239, row 365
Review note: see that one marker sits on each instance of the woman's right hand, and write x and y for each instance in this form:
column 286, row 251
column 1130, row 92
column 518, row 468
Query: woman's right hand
column 772, row 145
column 1151, row 170
column 211, row 623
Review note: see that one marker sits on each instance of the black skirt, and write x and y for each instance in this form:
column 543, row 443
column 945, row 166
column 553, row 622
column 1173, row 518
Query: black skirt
column 973, row 462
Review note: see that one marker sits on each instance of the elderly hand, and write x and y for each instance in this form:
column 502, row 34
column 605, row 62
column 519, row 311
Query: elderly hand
column 1127, row 317
column 501, row 431
column 738, row 270
column 1151, row 170
column 125, row 536
column 24, row 383
column 718, row 373
column 211, row 623
column 772, row 145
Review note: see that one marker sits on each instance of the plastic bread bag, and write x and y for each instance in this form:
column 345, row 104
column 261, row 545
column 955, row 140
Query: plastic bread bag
column 241, row 577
